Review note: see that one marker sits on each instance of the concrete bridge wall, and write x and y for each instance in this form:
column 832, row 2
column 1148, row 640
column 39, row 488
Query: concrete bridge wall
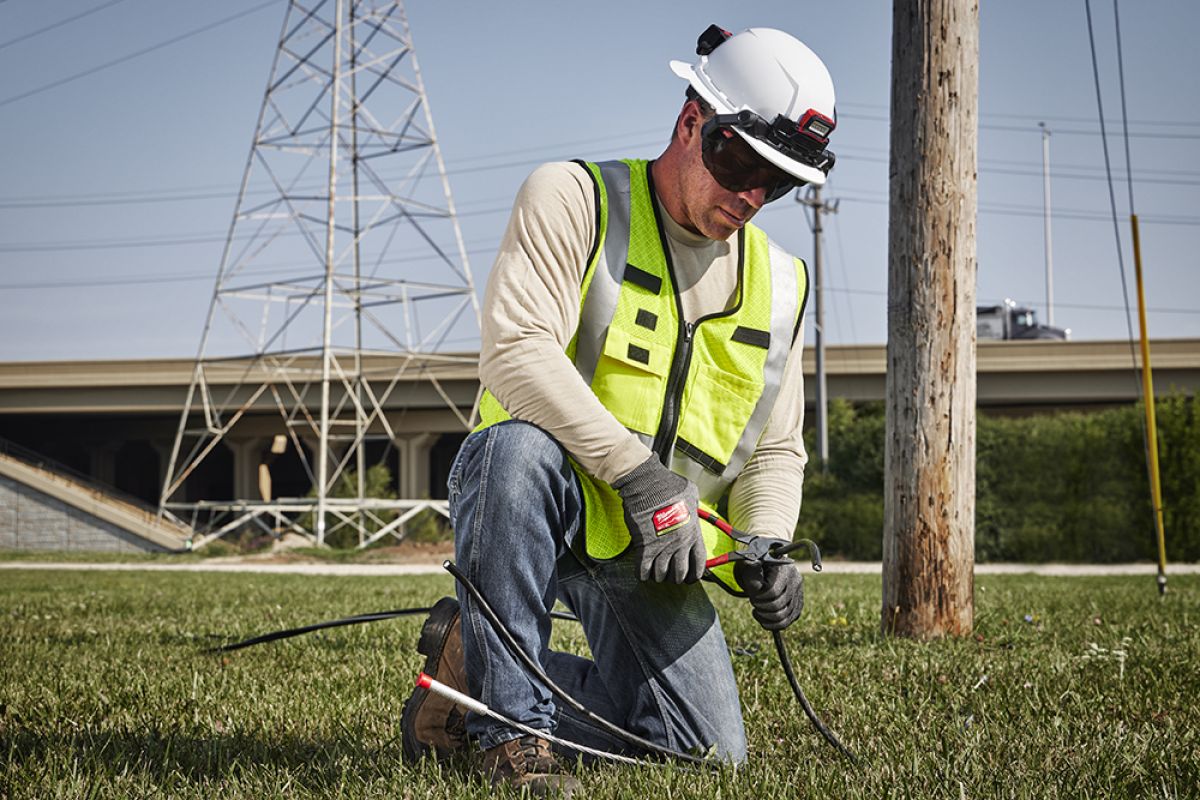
column 33, row 520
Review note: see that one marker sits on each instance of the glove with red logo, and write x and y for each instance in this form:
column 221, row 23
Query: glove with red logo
column 660, row 512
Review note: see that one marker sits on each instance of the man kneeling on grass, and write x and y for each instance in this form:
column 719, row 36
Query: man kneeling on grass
column 641, row 355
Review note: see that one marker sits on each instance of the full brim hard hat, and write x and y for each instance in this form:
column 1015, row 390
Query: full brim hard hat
column 715, row 99
column 768, row 72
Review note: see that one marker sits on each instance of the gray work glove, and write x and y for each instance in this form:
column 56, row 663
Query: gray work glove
column 776, row 591
column 660, row 512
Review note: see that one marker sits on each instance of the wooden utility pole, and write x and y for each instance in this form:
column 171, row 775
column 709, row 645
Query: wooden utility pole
column 929, row 524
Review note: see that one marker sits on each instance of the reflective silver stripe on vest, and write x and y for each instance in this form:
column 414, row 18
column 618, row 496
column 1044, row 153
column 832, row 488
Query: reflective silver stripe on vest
column 605, row 288
column 785, row 295
column 709, row 486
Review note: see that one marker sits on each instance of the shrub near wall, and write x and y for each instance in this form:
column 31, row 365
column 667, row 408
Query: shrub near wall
column 1058, row 487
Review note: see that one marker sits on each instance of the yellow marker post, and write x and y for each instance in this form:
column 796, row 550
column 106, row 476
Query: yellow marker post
column 1151, row 427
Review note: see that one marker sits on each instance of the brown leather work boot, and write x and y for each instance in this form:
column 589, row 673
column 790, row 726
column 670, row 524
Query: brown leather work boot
column 527, row 763
column 430, row 724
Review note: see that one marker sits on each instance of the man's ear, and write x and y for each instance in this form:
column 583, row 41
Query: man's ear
column 690, row 121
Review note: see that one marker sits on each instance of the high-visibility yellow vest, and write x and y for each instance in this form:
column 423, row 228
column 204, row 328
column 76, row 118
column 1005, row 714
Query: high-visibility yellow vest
column 698, row 395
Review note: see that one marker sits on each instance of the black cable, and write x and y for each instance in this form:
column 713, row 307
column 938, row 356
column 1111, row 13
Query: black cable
column 358, row 619
column 1112, row 198
column 786, row 662
column 1124, row 109
column 536, row 670
column 374, row 616
column 1116, row 225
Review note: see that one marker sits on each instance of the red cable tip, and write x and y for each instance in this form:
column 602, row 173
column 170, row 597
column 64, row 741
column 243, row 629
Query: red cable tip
column 424, row 681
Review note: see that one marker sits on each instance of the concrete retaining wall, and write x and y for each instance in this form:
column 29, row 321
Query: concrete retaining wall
column 33, row 520
column 45, row 510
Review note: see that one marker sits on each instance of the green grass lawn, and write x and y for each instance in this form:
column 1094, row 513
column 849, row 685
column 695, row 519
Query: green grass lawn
column 1072, row 687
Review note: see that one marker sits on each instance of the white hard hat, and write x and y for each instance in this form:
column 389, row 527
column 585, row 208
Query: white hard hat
column 784, row 84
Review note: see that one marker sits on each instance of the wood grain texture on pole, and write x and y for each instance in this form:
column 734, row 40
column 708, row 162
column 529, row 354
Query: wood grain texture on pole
column 929, row 525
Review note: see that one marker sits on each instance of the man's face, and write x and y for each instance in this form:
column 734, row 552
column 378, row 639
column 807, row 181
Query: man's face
column 709, row 208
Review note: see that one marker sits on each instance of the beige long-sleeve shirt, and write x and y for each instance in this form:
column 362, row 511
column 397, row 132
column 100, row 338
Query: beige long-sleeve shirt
column 531, row 311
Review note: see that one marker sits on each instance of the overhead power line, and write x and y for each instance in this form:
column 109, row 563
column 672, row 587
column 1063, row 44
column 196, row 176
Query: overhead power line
column 137, row 54
column 209, row 237
column 1033, row 130
column 993, row 301
column 59, row 24
column 1028, row 211
column 211, row 192
column 1043, row 117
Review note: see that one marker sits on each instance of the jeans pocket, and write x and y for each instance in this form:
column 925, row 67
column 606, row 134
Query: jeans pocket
column 454, row 480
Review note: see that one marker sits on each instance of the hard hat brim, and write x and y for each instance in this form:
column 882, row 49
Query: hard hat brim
column 699, row 81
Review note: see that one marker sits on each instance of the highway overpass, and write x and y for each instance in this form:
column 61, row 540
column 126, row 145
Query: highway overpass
column 115, row 421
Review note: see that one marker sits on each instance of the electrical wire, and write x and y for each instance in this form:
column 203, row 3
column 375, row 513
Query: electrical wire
column 1024, row 128
column 59, row 24
column 1149, row 435
column 536, row 670
column 480, row 708
column 1010, row 210
column 1124, row 108
column 137, row 54
column 357, row 619
column 187, row 193
column 1112, row 198
column 828, row 735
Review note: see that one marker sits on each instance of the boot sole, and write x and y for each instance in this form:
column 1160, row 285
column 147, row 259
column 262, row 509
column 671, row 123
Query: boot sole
column 431, row 644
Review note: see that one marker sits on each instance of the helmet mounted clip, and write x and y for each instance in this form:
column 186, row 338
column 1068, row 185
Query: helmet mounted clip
column 712, row 38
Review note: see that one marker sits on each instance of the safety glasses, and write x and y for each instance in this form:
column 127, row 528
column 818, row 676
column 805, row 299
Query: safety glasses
column 735, row 165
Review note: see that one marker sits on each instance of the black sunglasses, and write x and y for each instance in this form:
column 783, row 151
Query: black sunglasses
column 733, row 163
column 736, row 167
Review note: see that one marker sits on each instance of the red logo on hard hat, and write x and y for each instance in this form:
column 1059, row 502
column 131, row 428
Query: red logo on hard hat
column 671, row 517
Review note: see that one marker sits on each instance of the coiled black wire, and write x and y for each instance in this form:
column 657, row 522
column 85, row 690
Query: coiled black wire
column 536, row 670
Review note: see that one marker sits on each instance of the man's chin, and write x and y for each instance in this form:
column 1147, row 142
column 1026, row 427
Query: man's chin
column 720, row 230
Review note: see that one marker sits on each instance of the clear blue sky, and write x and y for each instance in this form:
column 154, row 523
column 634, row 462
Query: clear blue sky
column 117, row 187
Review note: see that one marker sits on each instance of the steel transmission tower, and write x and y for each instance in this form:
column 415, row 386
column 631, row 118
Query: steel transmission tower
column 343, row 281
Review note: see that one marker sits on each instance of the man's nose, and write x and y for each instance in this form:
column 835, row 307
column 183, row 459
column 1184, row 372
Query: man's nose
column 756, row 197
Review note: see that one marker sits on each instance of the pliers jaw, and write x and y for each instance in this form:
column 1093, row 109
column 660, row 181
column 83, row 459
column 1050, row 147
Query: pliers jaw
column 757, row 549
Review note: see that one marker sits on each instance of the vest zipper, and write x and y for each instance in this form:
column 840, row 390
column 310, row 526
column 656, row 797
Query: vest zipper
column 668, row 425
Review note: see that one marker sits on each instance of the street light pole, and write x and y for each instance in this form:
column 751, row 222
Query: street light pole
column 1046, row 215
column 812, row 199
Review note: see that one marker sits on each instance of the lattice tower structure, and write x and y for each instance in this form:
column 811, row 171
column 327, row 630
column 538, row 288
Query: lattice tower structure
column 344, row 280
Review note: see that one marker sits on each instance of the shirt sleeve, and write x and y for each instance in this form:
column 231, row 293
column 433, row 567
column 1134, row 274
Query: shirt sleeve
column 765, row 498
column 531, row 311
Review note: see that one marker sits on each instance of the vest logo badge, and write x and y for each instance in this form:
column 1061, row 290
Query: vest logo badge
column 669, row 518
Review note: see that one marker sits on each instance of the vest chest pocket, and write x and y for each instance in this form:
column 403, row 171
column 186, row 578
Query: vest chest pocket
column 630, row 380
column 716, row 410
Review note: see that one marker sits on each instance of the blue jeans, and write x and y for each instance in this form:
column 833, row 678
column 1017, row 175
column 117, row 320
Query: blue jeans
column 660, row 666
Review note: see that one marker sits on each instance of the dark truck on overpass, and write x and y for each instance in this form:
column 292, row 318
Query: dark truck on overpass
column 1011, row 321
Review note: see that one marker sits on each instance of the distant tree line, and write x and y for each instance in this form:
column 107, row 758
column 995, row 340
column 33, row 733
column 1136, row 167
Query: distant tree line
column 1067, row 486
